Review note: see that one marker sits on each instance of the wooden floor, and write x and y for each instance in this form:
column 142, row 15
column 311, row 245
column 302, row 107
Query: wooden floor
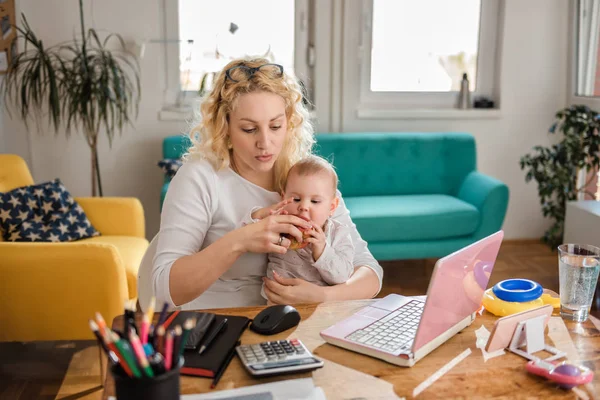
column 36, row 370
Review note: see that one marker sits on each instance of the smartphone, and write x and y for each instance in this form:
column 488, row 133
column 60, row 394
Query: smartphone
column 505, row 327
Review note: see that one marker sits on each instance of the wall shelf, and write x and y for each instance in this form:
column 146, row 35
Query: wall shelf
column 429, row 113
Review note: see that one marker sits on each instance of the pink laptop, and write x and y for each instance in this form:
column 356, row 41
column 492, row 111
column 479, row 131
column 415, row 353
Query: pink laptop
column 402, row 330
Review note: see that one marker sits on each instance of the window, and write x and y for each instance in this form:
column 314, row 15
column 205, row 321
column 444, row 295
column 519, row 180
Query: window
column 408, row 55
column 211, row 33
column 234, row 29
column 413, row 53
column 588, row 48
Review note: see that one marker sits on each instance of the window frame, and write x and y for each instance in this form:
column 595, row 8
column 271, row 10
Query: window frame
column 374, row 104
column 572, row 96
column 175, row 98
column 573, row 68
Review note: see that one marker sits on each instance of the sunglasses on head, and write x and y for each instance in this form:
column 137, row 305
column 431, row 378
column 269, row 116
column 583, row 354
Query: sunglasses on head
column 241, row 73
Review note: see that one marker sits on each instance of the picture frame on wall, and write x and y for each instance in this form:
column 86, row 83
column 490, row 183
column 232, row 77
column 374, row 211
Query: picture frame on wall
column 8, row 34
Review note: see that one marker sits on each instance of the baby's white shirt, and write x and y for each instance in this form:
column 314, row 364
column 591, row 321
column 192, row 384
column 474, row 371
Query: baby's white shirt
column 334, row 266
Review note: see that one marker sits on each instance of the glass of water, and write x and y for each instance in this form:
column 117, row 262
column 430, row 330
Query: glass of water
column 578, row 267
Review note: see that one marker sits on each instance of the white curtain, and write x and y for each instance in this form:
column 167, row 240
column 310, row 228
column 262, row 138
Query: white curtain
column 587, row 47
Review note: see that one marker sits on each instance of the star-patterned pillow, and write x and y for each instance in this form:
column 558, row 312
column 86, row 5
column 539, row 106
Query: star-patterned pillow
column 45, row 212
column 170, row 166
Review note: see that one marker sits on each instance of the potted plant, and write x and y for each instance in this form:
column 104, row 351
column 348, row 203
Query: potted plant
column 82, row 85
column 556, row 168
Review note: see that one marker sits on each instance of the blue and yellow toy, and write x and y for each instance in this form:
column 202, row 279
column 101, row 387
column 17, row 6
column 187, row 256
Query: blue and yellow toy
column 515, row 295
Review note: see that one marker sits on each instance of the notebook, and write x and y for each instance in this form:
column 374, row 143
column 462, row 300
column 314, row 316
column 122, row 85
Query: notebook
column 210, row 362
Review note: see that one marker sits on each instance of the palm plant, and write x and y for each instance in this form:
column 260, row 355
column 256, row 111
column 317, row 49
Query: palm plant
column 80, row 85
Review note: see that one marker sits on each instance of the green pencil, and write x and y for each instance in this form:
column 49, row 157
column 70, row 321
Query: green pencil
column 188, row 325
column 127, row 354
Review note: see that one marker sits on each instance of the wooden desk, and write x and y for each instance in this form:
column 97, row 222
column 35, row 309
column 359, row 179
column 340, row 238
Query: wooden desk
column 349, row 375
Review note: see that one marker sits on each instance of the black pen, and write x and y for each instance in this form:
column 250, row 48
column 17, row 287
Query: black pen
column 217, row 378
column 213, row 335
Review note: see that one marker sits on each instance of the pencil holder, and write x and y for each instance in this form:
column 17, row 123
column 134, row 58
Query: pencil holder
column 163, row 386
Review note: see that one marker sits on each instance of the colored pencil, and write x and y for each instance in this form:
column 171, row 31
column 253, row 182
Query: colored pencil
column 188, row 325
column 150, row 311
column 160, row 340
column 176, row 343
column 145, row 329
column 129, row 316
column 112, row 346
column 101, row 324
column 141, row 355
column 168, row 350
column 95, row 330
column 127, row 353
column 126, row 320
column 163, row 315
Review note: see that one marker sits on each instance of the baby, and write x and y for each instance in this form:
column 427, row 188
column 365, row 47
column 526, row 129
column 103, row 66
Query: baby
column 327, row 253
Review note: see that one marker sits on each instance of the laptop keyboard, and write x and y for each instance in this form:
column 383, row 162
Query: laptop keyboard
column 396, row 331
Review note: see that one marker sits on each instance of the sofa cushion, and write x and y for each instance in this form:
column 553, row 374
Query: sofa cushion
column 131, row 249
column 45, row 212
column 392, row 163
column 412, row 217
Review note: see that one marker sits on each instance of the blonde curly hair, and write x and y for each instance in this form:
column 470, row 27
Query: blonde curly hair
column 209, row 137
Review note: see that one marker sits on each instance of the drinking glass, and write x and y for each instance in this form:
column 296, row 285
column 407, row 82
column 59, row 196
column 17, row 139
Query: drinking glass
column 578, row 267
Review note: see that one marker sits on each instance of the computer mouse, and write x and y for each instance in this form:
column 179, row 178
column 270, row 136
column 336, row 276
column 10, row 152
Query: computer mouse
column 275, row 319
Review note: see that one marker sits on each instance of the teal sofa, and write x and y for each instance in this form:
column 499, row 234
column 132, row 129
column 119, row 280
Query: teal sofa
column 412, row 195
column 173, row 148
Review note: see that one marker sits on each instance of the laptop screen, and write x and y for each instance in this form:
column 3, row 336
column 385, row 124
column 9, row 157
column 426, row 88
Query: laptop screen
column 456, row 288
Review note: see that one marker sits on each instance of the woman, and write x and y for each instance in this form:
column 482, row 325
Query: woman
column 254, row 128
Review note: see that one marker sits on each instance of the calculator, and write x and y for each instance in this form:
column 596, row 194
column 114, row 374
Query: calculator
column 277, row 357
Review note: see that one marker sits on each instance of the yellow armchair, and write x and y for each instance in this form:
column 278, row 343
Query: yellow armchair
column 48, row 291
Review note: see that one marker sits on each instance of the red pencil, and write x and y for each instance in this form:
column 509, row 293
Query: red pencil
column 111, row 345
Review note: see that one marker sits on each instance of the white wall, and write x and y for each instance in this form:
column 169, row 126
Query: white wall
column 533, row 86
column 129, row 168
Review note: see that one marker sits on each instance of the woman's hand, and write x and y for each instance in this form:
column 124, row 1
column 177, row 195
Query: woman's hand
column 281, row 290
column 275, row 209
column 265, row 235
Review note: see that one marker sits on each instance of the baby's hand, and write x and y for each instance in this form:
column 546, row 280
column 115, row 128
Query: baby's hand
column 317, row 241
column 275, row 209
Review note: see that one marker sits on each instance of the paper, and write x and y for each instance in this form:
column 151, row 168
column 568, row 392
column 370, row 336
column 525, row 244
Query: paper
column 483, row 335
column 534, row 332
column 292, row 389
column 440, row 372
